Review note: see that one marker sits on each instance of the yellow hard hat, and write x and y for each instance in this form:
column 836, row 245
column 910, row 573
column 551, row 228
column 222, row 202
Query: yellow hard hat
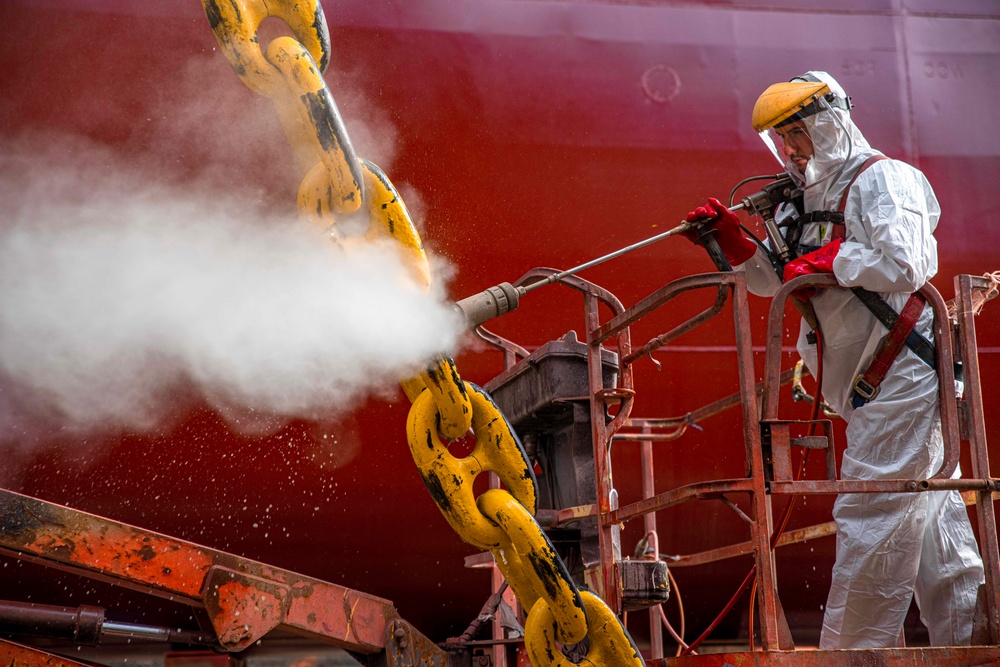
column 783, row 100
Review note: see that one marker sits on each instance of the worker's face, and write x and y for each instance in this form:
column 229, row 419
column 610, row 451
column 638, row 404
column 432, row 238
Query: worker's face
column 796, row 144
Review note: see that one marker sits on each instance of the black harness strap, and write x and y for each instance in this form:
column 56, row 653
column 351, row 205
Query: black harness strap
column 875, row 303
column 868, row 384
column 882, row 311
column 922, row 347
column 836, row 217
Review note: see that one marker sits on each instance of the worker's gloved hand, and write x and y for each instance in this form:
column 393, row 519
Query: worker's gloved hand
column 736, row 247
column 817, row 261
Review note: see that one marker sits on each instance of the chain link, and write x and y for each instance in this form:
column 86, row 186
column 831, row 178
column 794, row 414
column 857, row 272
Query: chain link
column 315, row 129
column 532, row 567
column 337, row 183
column 609, row 643
column 235, row 23
column 451, row 398
column 450, row 479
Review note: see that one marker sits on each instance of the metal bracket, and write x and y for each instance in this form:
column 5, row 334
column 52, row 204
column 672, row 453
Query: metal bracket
column 243, row 608
column 405, row 646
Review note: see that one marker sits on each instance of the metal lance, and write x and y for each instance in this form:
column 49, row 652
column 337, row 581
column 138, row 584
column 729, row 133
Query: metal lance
column 505, row 297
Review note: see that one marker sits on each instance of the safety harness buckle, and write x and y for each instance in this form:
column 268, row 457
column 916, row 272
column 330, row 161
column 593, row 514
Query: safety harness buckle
column 865, row 389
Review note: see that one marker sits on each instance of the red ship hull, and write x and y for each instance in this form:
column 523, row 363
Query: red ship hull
column 532, row 134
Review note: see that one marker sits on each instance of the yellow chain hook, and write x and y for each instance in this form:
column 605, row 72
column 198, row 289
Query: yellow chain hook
column 235, row 24
column 335, row 183
column 390, row 220
column 531, row 565
column 449, row 479
column 450, row 397
column 315, row 129
column 609, row 643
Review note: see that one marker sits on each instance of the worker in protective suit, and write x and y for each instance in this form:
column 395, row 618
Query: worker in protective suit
column 869, row 221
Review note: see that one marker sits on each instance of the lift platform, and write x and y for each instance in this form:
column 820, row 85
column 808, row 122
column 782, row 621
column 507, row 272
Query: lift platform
column 769, row 442
column 244, row 600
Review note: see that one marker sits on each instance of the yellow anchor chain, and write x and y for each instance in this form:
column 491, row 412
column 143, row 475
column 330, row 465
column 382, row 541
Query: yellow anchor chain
column 338, row 183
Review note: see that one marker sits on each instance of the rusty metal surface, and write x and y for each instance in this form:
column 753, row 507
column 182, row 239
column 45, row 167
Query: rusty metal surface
column 573, row 282
column 681, row 329
column 778, row 442
column 775, row 330
column 18, row 655
column 601, row 397
column 733, row 550
column 903, row 657
column 943, row 347
column 600, row 400
column 406, row 647
column 696, row 491
column 985, row 511
column 649, row 528
column 680, row 424
column 811, row 487
column 655, row 300
column 946, row 381
column 245, row 599
column 602, row 434
column 200, row 659
column 769, row 470
column 511, row 350
column 774, row 632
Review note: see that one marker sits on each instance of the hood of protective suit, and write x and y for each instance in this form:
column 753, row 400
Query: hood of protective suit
column 839, row 149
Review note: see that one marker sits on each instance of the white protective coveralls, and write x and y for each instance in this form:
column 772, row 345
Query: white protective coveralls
column 889, row 546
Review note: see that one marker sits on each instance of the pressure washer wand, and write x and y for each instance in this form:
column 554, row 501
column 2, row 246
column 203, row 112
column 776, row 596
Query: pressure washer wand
column 504, row 297
column 556, row 277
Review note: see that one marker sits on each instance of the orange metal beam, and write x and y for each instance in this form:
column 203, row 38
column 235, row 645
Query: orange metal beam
column 245, row 599
column 18, row 655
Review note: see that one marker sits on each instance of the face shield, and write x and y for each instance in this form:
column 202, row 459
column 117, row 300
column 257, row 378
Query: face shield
column 773, row 141
column 781, row 111
column 800, row 123
column 792, row 146
column 795, row 140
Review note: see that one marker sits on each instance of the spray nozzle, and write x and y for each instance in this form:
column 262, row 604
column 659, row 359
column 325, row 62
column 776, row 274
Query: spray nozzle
column 489, row 303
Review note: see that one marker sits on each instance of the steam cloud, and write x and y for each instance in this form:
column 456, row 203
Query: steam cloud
column 117, row 297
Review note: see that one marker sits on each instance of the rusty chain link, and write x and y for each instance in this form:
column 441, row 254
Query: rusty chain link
column 338, row 183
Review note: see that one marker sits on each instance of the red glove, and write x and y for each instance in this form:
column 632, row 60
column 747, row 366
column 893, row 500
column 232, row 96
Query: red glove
column 817, row 261
column 736, row 247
